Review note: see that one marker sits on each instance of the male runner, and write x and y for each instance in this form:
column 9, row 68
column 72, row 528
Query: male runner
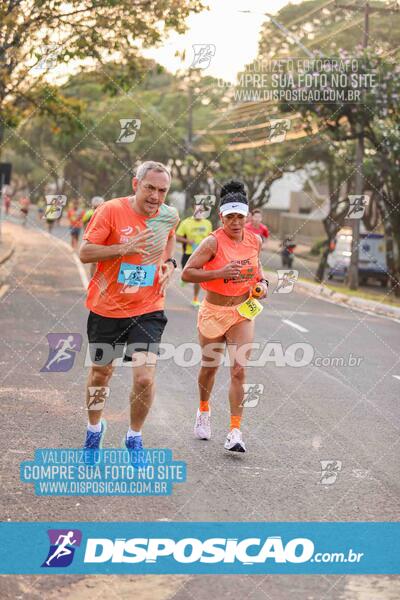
column 24, row 205
column 256, row 226
column 128, row 238
column 95, row 202
column 75, row 217
column 191, row 232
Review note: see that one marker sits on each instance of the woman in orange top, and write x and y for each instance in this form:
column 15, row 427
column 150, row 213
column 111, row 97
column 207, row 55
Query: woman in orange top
column 227, row 265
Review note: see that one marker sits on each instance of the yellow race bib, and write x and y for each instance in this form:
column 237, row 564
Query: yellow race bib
column 250, row 308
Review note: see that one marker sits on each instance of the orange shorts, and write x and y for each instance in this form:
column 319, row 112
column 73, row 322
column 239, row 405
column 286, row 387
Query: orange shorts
column 214, row 320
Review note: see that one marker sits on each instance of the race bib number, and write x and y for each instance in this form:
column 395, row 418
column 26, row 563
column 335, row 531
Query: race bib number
column 134, row 277
column 250, row 308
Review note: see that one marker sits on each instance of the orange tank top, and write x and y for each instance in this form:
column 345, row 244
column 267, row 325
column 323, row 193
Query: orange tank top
column 244, row 253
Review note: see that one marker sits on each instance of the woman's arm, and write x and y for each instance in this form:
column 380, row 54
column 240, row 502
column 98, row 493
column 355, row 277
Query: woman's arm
column 193, row 271
column 261, row 271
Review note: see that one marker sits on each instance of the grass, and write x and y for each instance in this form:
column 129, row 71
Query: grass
column 385, row 296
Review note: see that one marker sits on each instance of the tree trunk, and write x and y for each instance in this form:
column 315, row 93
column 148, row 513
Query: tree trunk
column 390, row 239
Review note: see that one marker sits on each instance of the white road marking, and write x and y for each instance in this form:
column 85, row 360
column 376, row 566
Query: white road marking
column 295, row 325
column 81, row 269
column 82, row 272
column 396, row 376
column 3, row 289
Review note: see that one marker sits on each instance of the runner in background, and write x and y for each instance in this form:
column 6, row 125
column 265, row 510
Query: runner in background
column 7, row 203
column 41, row 205
column 191, row 232
column 75, row 218
column 256, row 226
column 95, row 202
column 24, row 204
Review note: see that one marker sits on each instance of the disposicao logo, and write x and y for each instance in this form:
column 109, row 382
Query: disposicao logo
column 63, row 543
column 190, row 550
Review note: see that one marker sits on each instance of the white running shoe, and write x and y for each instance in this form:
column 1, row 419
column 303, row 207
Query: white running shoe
column 234, row 441
column 202, row 426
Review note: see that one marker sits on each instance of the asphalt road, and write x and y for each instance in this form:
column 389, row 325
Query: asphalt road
column 306, row 414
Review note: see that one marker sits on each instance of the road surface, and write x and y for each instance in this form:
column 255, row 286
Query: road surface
column 306, row 414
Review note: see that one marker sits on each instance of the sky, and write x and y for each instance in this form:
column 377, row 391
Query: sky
column 234, row 34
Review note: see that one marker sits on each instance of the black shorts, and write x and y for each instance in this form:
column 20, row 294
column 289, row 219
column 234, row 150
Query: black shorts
column 184, row 259
column 108, row 335
column 75, row 232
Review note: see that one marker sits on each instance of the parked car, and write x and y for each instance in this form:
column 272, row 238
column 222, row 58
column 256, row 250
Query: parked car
column 371, row 258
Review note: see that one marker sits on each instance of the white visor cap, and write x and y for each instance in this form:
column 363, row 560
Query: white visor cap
column 234, row 207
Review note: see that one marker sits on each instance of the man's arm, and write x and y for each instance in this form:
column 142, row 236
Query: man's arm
column 170, row 247
column 92, row 253
column 167, row 268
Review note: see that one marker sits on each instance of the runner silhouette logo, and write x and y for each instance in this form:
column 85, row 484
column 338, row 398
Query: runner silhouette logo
column 62, row 350
column 63, row 543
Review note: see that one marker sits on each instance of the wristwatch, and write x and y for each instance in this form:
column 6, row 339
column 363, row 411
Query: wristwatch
column 173, row 261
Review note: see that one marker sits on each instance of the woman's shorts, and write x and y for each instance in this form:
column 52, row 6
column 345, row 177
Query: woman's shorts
column 214, row 321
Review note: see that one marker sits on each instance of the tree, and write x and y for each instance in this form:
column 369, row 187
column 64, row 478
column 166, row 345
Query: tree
column 375, row 114
column 34, row 34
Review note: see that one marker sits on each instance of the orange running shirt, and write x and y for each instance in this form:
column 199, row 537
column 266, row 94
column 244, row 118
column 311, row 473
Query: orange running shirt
column 244, row 253
column 75, row 217
column 127, row 286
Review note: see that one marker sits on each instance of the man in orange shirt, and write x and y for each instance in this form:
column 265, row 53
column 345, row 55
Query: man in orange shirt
column 75, row 218
column 132, row 240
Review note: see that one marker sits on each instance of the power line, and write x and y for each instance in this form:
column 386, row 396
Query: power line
column 307, row 15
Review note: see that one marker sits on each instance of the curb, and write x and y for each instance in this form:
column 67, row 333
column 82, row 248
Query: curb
column 378, row 308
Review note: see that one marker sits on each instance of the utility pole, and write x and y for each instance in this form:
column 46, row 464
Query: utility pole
column 359, row 182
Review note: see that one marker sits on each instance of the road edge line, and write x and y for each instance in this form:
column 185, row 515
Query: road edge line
column 81, row 270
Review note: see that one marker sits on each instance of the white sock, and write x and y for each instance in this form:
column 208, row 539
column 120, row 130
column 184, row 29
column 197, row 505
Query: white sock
column 94, row 428
column 132, row 433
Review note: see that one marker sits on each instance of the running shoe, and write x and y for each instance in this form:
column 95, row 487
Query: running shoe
column 135, row 444
column 195, row 303
column 202, row 426
column 94, row 439
column 234, row 441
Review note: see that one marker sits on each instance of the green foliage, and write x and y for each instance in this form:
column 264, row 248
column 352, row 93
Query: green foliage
column 95, row 30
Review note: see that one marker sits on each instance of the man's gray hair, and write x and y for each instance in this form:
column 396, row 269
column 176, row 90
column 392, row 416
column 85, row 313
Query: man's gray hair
column 151, row 165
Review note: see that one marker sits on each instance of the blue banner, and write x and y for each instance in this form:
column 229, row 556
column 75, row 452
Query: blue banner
column 200, row 548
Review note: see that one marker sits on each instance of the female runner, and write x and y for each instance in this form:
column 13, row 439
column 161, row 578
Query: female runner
column 227, row 265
